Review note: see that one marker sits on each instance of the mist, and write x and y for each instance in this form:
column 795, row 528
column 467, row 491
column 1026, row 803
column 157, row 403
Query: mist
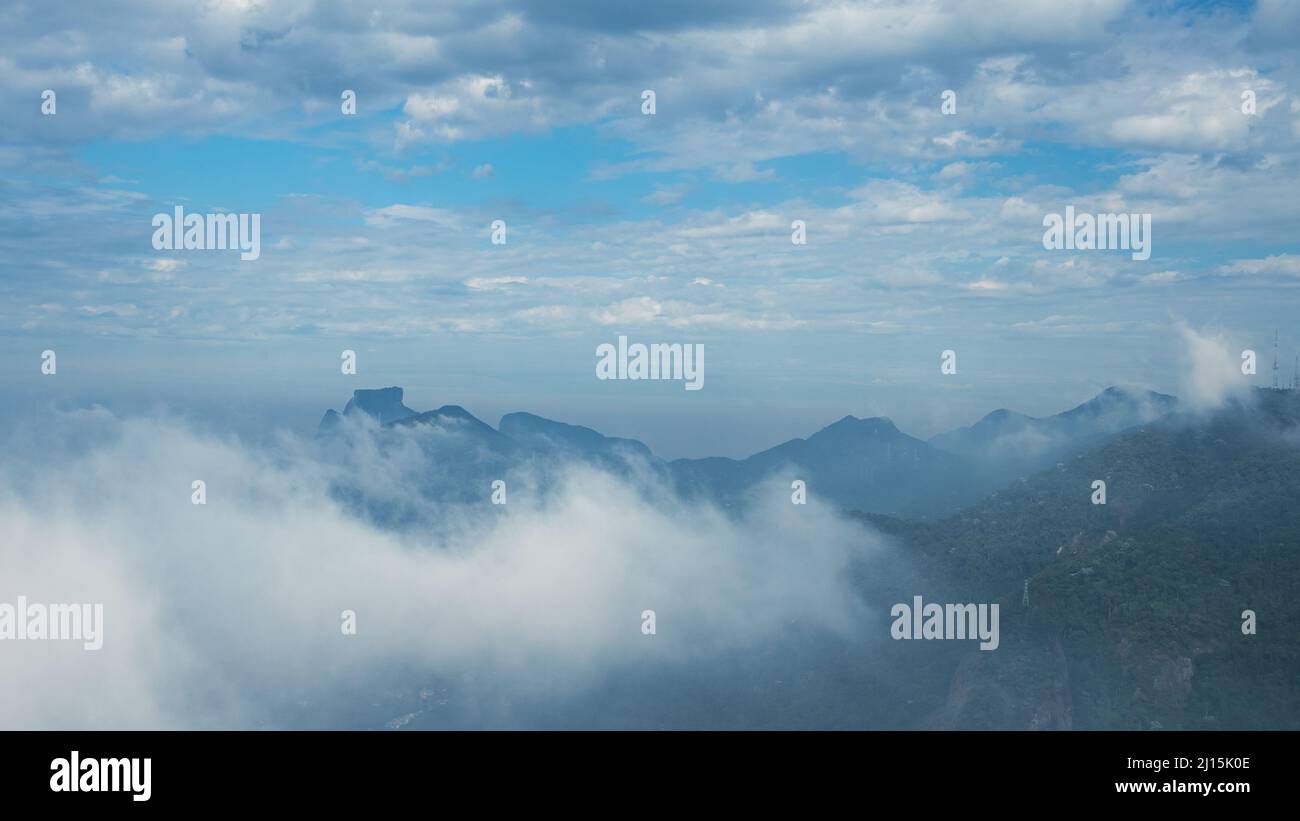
column 1211, row 369
column 228, row 614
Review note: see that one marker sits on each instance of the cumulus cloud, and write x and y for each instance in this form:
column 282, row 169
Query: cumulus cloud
column 828, row 112
column 1282, row 265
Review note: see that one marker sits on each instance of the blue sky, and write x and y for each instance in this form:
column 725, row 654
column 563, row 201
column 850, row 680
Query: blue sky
column 924, row 229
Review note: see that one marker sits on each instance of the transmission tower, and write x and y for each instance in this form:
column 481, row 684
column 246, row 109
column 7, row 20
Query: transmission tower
column 1275, row 385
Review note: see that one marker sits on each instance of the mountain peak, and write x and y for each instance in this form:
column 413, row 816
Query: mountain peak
column 1000, row 416
column 538, row 430
column 854, row 424
column 447, row 413
column 455, row 411
column 1146, row 403
column 383, row 404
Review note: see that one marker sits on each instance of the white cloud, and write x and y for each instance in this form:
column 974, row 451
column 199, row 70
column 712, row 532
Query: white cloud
column 744, row 172
column 493, row 283
column 1287, row 265
column 667, row 194
column 1211, row 368
column 226, row 615
column 391, row 214
column 635, row 311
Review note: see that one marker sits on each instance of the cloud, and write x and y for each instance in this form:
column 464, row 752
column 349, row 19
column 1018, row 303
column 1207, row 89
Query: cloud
column 666, row 194
column 228, row 615
column 635, row 311
column 828, row 111
column 471, row 106
column 1281, row 265
column 1211, row 369
column 391, row 214
column 744, row 172
column 493, row 283
column 739, row 83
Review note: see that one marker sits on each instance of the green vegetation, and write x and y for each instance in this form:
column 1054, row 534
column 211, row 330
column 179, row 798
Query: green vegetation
column 1136, row 606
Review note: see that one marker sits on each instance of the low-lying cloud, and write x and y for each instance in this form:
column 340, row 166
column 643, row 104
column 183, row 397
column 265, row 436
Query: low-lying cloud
column 219, row 615
column 1211, row 372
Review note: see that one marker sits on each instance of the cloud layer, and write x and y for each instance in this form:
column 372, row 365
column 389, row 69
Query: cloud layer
column 227, row 614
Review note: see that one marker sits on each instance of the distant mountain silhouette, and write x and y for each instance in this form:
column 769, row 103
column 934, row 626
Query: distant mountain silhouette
column 456, row 419
column 535, row 431
column 558, row 441
column 1135, row 605
column 384, row 405
column 1008, row 445
column 864, row 464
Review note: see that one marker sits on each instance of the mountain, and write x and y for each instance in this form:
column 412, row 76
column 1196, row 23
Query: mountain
column 384, row 405
column 1008, row 445
column 863, row 464
column 868, row 464
column 536, row 431
column 448, row 455
column 871, row 466
column 1136, row 605
column 456, row 420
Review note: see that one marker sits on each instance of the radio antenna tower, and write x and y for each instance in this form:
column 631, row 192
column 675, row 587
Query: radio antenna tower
column 1295, row 375
column 1025, row 601
column 1275, row 385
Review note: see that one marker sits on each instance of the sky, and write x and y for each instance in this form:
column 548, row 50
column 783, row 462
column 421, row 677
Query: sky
column 924, row 229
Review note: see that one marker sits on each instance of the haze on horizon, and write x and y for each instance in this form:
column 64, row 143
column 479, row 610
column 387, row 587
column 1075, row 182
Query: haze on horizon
column 924, row 229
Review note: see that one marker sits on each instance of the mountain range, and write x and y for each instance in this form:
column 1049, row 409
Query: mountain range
column 1123, row 615
column 863, row 464
column 1131, row 614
